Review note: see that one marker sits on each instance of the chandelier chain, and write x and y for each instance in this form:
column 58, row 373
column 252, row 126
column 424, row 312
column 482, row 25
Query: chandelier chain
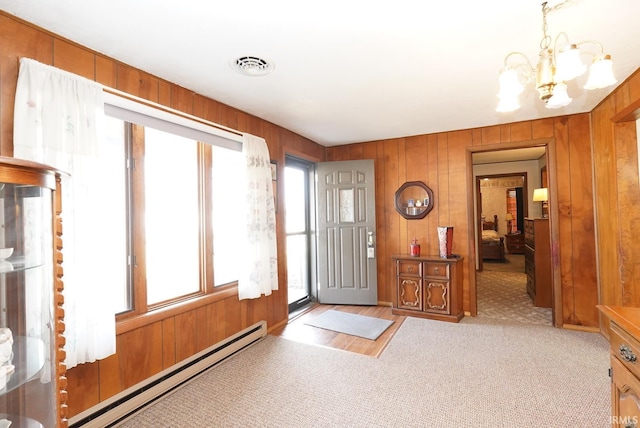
column 545, row 43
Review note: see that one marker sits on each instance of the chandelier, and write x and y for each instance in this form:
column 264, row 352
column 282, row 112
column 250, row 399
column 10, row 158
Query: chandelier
column 557, row 65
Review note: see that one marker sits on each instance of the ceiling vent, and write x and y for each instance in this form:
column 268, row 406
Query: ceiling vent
column 252, row 66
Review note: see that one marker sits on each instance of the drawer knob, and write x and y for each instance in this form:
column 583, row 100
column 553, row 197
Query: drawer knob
column 436, row 270
column 410, row 269
column 626, row 354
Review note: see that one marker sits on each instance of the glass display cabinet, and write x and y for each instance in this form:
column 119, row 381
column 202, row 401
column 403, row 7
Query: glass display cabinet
column 32, row 370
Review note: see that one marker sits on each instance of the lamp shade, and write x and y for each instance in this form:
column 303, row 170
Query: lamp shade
column 509, row 216
column 560, row 97
column 540, row 195
column 568, row 64
column 601, row 73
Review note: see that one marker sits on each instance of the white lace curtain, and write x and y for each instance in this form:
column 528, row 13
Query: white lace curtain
column 57, row 122
column 261, row 255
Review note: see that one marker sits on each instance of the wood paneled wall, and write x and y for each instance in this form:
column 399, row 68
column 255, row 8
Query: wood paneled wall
column 615, row 147
column 149, row 345
column 441, row 161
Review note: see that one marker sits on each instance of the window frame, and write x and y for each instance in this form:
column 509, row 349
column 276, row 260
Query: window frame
column 168, row 120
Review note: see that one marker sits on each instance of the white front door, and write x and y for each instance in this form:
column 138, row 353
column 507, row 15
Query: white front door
column 347, row 272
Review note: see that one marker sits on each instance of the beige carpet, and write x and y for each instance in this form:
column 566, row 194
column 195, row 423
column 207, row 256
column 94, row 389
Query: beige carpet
column 502, row 294
column 512, row 263
column 474, row 374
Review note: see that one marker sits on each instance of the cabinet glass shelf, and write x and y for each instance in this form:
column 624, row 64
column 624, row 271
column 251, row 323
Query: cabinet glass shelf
column 32, row 351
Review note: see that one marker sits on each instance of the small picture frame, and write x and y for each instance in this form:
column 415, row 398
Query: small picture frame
column 274, row 170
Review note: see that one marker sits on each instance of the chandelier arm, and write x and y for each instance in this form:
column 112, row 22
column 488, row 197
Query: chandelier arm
column 594, row 42
column 526, row 67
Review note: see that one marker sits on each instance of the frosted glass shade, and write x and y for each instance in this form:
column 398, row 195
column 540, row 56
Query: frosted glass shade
column 568, row 64
column 601, row 73
column 560, row 97
column 510, row 85
column 508, row 104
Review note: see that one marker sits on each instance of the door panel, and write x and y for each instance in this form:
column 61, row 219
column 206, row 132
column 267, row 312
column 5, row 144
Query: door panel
column 346, row 233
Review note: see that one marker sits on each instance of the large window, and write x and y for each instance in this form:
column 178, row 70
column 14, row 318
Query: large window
column 173, row 199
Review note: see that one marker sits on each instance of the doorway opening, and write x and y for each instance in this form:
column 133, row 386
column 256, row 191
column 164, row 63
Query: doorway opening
column 299, row 225
column 503, row 183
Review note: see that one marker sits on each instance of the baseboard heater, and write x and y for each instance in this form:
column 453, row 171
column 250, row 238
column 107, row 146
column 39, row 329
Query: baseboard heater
column 122, row 405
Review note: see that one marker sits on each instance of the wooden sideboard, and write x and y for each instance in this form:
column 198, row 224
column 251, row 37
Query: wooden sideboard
column 537, row 261
column 622, row 324
column 428, row 287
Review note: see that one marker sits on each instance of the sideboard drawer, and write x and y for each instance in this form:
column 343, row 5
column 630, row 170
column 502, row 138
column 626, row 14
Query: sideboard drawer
column 410, row 267
column 625, row 348
column 436, row 270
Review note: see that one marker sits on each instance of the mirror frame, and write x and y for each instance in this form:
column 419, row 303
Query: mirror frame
column 401, row 204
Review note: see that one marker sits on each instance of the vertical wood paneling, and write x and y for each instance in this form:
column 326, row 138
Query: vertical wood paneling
column 582, row 222
column 233, row 316
column 141, row 349
column 84, row 381
column 416, row 170
column 136, row 82
column 459, row 212
column 476, row 137
column 542, row 128
column 442, row 192
column 521, row 131
column 563, row 189
column 164, row 90
column 391, row 219
column 490, row 135
column 202, row 328
column 73, row 58
column 186, row 335
column 628, row 208
column 432, row 181
column 220, row 312
column 608, row 237
column 106, row 71
column 181, row 99
column 106, row 374
column 633, row 85
column 168, row 342
column 505, row 133
column 17, row 40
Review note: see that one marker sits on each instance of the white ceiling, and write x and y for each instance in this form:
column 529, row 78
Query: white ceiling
column 346, row 70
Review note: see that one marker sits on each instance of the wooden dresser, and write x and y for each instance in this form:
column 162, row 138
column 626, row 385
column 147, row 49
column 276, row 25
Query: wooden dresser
column 537, row 260
column 428, row 287
column 515, row 243
column 623, row 327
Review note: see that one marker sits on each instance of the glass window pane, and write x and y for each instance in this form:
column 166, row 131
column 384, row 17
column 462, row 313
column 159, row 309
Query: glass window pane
column 297, row 267
column 171, row 216
column 295, row 183
column 227, row 225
